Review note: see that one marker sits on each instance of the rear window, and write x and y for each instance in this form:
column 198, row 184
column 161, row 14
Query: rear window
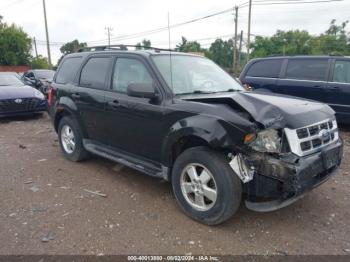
column 68, row 70
column 94, row 72
column 266, row 68
column 307, row 69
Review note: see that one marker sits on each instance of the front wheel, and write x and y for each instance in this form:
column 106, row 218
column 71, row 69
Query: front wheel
column 205, row 186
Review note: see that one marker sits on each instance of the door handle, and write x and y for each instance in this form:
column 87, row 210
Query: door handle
column 114, row 103
column 76, row 95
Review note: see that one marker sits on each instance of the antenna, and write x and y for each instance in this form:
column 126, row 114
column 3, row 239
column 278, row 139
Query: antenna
column 171, row 64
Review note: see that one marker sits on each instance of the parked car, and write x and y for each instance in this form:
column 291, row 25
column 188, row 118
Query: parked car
column 184, row 119
column 39, row 79
column 18, row 99
column 11, row 73
column 321, row 78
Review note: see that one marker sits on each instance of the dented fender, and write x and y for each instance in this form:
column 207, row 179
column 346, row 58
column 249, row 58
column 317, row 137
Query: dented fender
column 217, row 133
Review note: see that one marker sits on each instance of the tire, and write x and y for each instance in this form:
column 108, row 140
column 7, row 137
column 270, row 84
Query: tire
column 226, row 183
column 76, row 153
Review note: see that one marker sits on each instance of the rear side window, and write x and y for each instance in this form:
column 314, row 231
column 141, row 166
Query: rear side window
column 68, row 70
column 307, row 69
column 341, row 72
column 94, row 72
column 266, row 68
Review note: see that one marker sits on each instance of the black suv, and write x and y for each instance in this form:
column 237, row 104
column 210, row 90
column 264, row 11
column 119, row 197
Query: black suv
column 321, row 78
column 182, row 118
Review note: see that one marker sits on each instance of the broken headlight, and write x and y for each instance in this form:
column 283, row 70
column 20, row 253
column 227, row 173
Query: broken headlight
column 267, row 141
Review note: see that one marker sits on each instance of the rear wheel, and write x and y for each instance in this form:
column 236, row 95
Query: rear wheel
column 205, row 186
column 71, row 140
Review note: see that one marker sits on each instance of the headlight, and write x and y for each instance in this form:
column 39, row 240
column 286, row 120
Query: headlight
column 267, row 141
column 38, row 94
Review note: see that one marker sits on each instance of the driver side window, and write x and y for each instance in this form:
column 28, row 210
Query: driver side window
column 127, row 71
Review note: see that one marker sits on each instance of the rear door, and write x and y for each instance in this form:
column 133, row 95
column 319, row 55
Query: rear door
column 338, row 89
column 263, row 74
column 89, row 95
column 305, row 77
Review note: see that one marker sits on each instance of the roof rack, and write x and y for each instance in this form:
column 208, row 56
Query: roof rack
column 121, row 47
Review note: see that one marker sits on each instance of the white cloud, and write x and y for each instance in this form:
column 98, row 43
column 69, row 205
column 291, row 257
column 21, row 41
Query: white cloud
column 86, row 19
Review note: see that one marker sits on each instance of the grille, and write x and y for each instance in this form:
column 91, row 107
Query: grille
column 309, row 139
column 26, row 104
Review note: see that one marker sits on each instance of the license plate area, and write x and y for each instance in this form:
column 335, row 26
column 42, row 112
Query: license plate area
column 330, row 158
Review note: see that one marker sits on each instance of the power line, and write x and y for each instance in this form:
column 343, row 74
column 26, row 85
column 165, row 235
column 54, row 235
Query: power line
column 160, row 29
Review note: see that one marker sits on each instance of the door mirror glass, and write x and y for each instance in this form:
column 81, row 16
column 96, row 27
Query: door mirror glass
column 143, row 90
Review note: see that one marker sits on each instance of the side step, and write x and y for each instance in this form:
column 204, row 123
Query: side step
column 129, row 161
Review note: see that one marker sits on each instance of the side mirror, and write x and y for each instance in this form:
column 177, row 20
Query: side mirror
column 29, row 81
column 142, row 90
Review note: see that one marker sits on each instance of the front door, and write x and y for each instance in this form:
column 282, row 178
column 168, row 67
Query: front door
column 134, row 124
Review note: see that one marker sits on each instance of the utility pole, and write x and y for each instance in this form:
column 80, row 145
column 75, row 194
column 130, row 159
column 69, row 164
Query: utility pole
column 47, row 36
column 36, row 50
column 240, row 47
column 249, row 22
column 109, row 30
column 234, row 64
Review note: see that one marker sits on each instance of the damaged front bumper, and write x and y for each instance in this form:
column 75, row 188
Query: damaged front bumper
column 278, row 182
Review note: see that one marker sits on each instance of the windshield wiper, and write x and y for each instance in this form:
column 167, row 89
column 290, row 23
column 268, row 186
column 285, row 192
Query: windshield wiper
column 232, row 90
column 197, row 92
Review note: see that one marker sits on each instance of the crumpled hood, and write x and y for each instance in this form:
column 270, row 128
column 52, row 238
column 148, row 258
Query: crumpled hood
column 272, row 110
column 12, row 92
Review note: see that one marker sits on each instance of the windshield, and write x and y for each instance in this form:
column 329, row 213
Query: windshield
column 10, row 80
column 191, row 75
column 47, row 74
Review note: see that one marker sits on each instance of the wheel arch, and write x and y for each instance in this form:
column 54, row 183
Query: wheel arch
column 66, row 107
column 193, row 132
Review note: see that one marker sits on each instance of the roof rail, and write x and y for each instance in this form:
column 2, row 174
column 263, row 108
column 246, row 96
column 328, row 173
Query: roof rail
column 121, row 47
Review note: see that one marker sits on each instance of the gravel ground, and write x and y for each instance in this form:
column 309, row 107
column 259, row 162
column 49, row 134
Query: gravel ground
column 45, row 208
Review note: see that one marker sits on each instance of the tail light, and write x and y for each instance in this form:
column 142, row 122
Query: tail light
column 50, row 95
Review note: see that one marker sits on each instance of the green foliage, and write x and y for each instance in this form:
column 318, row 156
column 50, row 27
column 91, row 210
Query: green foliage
column 335, row 40
column 72, row 47
column 39, row 62
column 189, row 46
column 144, row 44
column 15, row 45
column 221, row 52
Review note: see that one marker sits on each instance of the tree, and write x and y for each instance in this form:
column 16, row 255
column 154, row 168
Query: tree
column 335, row 40
column 293, row 42
column 15, row 45
column 144, row 44
column 188, row 46
column 72, row 47
column 221, row 52
column 39, row 62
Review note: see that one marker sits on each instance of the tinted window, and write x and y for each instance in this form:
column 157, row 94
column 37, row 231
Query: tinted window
column 94, row 72
column 267, row 68
column 47, row 74
column 127, row 71
column 341, row 72
column 68, row 70
column 307, row 69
